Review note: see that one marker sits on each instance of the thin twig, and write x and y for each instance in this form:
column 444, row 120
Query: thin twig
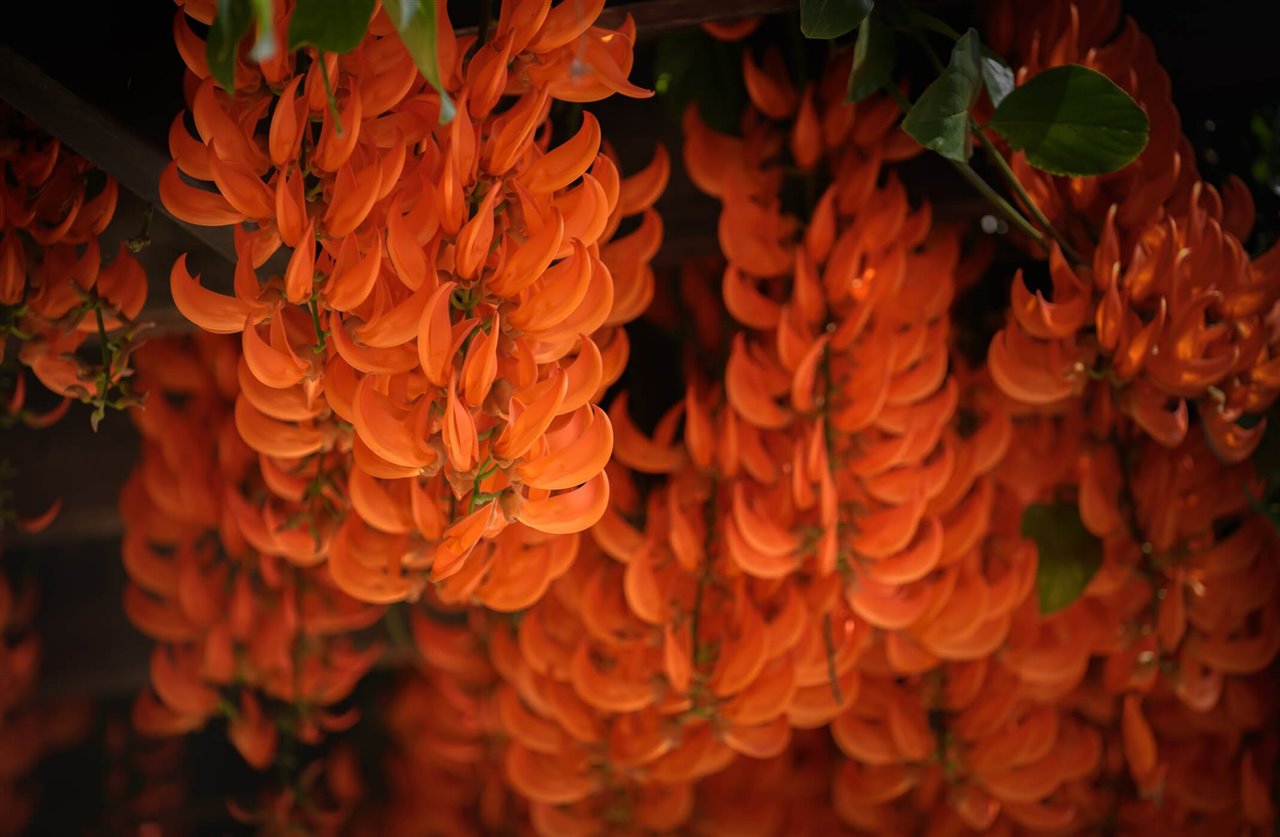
column 1007, row 209
column 396, row 630
column 1024, row 198
column 100, row 409
column 831, row 659
column 315, row 321
column 328, row 94
column 966, row 171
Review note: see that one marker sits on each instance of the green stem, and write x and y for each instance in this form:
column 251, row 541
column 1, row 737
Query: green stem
column 396, row 628
column 315, row 321
column 104, row 387
column 264, row 43
column 932, row 24
column 704, row 574
column 328, row 94
column 975, row 180
column 831, row 659
column 996, row 199
column 143, row 238
column 1023, row 197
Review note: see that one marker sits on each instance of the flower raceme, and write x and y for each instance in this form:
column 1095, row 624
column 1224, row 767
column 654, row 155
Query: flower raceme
column 240, row 631
column 857, row 471
column 55, row 290
column 51, row 280
column 1167, row 313
column 450, row 309
column 56, row 287
column 779, row 565
column 1168, row 309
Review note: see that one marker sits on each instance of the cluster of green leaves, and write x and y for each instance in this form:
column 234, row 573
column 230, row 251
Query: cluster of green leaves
column 1068, row 120
column 329, row 26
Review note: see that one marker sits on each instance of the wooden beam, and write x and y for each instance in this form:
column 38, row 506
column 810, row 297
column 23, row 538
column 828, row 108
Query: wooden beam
column 95, row 135
column 658, row 17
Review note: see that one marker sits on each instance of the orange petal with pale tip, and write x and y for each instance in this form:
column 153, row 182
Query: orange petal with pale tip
column 353, row 278
column 769, row 88
column 210, row 311
column 570, row 511
column 387, row 429
column 637, row 451
column 565, row 163
column 299, row 276
column 576, row 461
column 528, row 262
column 435, row 335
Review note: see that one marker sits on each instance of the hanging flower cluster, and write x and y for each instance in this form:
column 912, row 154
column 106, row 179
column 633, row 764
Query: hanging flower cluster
column 54, row 292
column 56, row 288
column 1166, row 305
column 240, row 632
column 1163, row 312
column 449, row 311
column 839, row 541
column 831, row 513
column 779, row 570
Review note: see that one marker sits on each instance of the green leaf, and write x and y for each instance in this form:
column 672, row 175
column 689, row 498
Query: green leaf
column 997, row 76
column 939, row 120
column 330, row 25
column 264, row 44
column 415, row 20
column 230, row 25
column 1073, row 121
column 693, row 67
column 873, row 59
column 1069, row 554
column 827, row 19
column 996, row 73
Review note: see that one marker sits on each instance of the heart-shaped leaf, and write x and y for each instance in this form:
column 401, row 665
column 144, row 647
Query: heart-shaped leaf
column 1069, row 554
column 827, row 19
column 939, row 120
column 873, row 59
column 330, row 25
column 415, row 20
column 1073, row 121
